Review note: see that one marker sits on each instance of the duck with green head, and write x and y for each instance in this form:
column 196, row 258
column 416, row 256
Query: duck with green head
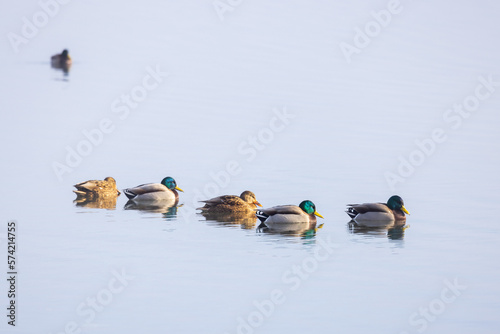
column 289, row 214
column 394, row 210
column 246, row 203
column 151, row 192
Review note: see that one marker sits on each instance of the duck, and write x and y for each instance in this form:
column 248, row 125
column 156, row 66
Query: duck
column 369, row 213
column 97, row 188
column 166, row 190
column 229, row 204
column 61, row 60
column 289, row 214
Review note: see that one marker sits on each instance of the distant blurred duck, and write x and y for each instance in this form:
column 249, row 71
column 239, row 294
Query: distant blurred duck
column 61, row 60
column 394, row 210
column 245, row 203
column 289, row 214
column 151, row 192
column 97, row 188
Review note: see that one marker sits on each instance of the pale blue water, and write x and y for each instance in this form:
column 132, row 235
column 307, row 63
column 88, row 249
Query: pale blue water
column 264, row 100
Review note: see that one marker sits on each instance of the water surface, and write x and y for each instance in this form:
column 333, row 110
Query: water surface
column 224, row 102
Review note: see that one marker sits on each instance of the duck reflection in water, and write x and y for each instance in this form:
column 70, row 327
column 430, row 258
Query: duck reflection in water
column 304, row 230
column 395, row 230
column 245, row 220
column 97, row 202
column 168, row 209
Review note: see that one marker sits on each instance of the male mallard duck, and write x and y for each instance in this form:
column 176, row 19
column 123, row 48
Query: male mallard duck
column 150, row 192
column 394, row 210
column 61, row 60
column 96, row 188
column 245, row 203
column 287, row 214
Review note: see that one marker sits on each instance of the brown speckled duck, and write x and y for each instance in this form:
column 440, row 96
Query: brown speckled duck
column 245, row 203
column 96, row 188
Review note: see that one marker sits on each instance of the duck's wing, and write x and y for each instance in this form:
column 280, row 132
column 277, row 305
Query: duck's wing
column 89, row 185
column 282, row 214
column 368, row 207
column 146, row 189
column 283, row 210
column 226, row 200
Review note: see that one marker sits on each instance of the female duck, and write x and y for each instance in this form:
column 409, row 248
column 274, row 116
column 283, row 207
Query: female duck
column 151, row 192
column 97, row 188
column 287, row 214
column 394, row 210
column 227, row 204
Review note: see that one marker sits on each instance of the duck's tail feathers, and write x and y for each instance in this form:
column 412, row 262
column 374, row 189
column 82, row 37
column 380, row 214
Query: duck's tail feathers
column 129, row 194
column 351, row 212
column 261, row 215
column 80, row 193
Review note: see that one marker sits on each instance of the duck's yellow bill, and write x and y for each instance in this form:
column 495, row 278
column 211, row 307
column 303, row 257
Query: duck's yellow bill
column 177, row 188
column 404, row 210
column 257, row 203
column 317, row 214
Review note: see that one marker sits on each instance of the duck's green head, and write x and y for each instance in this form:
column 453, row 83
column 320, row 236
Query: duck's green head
column 396, row 203
column 309, row 208
column 65, row 54
column 170, row 183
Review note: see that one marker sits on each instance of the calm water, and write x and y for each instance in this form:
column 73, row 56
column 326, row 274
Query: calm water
column 263, row 100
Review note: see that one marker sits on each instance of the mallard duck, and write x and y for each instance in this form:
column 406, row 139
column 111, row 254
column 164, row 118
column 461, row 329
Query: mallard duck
column 97, row 188
column 289, row 214
column 150, row 192
column 227, row 204
column 61, row 60
column 366, row 213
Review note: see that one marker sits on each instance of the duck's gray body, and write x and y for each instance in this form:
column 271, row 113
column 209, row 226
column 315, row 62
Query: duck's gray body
column 151, row 192
column 374, row 214
column 284, row 215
